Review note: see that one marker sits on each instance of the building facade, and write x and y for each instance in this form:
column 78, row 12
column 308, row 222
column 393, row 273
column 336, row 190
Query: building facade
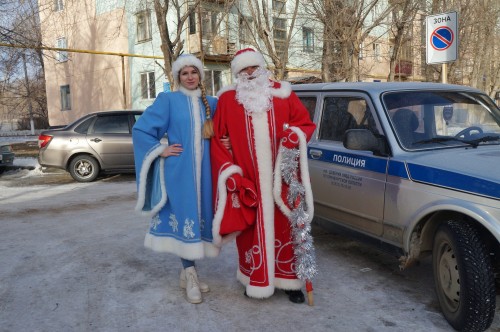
column 90, row 77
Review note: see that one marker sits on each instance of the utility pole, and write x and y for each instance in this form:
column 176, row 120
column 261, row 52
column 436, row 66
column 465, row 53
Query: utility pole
column 32, row 124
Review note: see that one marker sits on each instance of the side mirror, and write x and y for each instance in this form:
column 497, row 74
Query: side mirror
column 364, row 139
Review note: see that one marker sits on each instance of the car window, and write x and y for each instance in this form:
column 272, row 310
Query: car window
column 310, row 104
column 83, row 127
column 111, row 124
column 440, row 119
column 343, row 113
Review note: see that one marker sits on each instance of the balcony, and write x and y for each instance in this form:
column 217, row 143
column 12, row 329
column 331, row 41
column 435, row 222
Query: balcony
column 404, row 68
column 214, row 48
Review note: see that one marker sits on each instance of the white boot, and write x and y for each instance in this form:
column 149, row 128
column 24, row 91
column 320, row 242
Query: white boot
column 183, row 283
column 193, row 292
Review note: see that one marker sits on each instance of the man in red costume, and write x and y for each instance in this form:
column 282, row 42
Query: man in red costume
column 259, row 115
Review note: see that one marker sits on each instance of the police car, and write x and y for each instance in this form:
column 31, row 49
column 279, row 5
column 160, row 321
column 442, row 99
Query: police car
column 416, row 168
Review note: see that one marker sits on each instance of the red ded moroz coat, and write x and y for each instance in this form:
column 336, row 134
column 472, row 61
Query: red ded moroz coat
column 245, row 207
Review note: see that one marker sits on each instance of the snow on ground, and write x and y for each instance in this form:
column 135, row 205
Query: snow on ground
column 72, row 259
column 26, row 162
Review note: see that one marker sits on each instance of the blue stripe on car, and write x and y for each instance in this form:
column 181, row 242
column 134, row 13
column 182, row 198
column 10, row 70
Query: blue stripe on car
column 418, row 173
column 454, row 180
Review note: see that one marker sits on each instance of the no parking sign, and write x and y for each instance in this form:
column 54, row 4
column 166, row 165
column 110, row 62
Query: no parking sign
column 442, row 38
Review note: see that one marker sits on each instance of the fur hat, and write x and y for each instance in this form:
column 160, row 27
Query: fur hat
column 246, row 57
column 186, row 60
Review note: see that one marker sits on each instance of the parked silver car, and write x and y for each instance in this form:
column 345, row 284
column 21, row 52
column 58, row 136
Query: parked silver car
column 98, row 142
column 414, row 168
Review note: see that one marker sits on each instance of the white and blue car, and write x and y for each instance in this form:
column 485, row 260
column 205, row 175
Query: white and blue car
column 414, row 167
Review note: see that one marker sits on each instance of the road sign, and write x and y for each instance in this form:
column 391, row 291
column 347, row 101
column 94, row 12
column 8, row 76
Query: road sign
column 442, row 37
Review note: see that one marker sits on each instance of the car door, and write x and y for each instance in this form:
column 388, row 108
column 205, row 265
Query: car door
column 348, row 186
column 110, row 137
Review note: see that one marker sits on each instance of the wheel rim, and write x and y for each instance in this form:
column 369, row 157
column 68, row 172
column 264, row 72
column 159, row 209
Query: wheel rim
column 449, row 279
column 84, row 169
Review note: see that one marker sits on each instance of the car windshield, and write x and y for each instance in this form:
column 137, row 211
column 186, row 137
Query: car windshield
column 442, row 119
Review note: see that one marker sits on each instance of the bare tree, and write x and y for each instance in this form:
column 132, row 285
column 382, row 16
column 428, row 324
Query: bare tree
column 403, row 16
column 172, row 43
column 346, row 25
column 274, row 26
column 22, row 97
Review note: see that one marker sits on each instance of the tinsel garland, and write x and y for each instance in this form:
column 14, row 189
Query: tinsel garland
column 305, row 257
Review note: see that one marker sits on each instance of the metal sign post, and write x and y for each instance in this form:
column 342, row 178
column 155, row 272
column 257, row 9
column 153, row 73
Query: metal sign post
column 442, row 40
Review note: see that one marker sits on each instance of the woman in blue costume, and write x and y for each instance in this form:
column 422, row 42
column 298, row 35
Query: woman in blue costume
column 174, row 181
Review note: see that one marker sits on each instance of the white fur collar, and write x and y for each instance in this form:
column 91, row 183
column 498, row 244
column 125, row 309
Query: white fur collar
column 190, row 93
column 282, row 92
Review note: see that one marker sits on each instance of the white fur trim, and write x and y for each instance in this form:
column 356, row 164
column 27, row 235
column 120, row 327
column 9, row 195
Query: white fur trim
column 221, row 204
column 190, row 93
column 288, row 284
column 225, row 89
column 191, row 251
column 210, row 249
column 282, row 92
column 141, row 194
column 184, row 61
column 256, row 292
column 247, row 59
column 263, row 152
column 259, row 292
column 195, row 114
column 304, row 173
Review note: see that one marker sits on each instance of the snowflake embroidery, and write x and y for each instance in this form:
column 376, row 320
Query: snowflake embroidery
column 248, row 256
column 174, row 223
column 235, row 201
column 155, row 221
column 202, row 224
column 188, row 229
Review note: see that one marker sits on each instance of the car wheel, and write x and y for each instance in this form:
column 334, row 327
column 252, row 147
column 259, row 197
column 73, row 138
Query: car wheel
column 463, row 276
column 84, row 168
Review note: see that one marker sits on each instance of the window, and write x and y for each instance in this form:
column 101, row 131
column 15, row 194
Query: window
column 192, row 23
column 279, row 6
column 83, row 127
column 279, row 34
column 148, row 88
column 58, row 5
column 213, row 81
column 209, row 23
column 246, row 29
column 62, row 56
column 143, row 26
column 65, row 98
column 361, row 55
column 310, row 104
column 376, row 51
column 308, row 39
column 111, row 124
column 343, row 113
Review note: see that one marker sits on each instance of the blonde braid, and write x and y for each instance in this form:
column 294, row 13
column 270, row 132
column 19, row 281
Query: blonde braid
column 208, row 125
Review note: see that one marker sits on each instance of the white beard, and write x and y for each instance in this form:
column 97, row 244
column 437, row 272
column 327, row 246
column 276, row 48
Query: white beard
column 254, row 92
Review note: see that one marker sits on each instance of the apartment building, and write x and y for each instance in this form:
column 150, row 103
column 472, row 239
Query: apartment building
column 77, row 82
column 89, row 78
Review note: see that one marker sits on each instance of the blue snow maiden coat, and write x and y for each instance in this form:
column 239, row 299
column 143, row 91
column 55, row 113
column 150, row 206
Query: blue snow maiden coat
column 175, row 192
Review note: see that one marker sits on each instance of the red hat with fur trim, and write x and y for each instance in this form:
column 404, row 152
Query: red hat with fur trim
column 247, row 57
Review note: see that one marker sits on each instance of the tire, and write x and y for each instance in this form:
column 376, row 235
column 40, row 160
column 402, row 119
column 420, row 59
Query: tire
column 84, row 168
column 463, row 276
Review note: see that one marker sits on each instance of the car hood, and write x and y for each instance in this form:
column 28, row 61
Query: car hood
column 471, row 170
